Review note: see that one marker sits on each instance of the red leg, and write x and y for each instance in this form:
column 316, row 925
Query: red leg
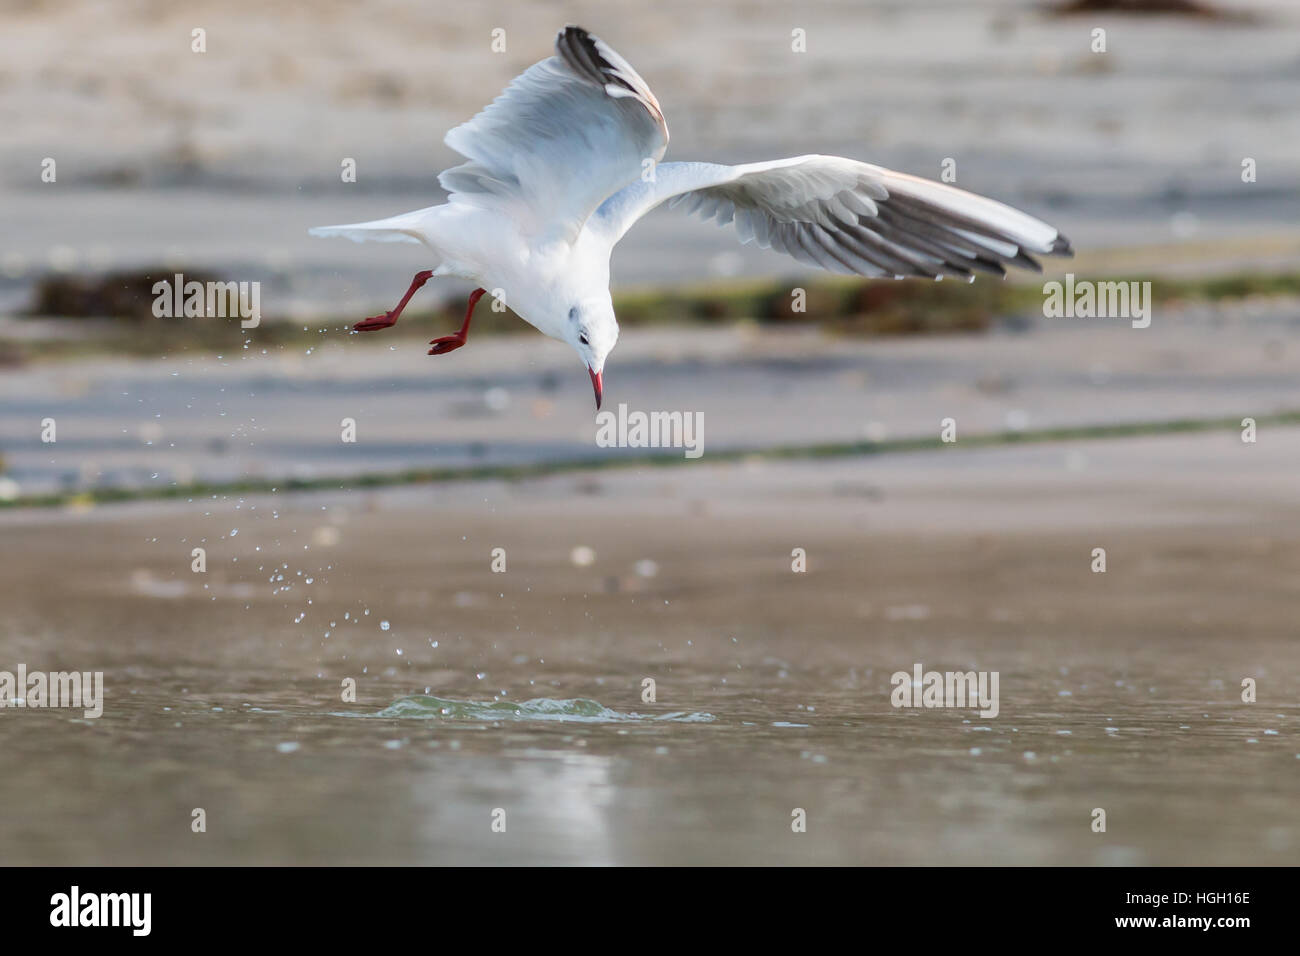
column 390, row 318
column 449, row 343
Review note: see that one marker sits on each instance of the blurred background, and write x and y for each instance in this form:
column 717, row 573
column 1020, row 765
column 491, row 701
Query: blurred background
column 476, row 690
column 220, row 160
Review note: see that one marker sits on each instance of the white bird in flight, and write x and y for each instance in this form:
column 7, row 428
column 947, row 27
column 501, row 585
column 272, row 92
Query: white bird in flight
column 566, row 160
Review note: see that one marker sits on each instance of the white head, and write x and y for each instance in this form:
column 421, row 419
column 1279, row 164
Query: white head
column 592, row 330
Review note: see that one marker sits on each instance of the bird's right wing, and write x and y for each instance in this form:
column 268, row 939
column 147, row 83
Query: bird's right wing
column 566, row 134
column 844, row 216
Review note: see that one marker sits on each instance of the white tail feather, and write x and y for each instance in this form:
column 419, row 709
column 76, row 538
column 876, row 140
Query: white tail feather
column 403, row 228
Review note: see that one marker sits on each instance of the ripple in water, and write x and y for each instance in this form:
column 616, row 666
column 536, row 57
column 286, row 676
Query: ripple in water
column 542, row 708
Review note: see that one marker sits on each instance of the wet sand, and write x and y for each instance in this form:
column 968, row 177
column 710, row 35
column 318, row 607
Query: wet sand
column 275, row 412
column 1118, row 690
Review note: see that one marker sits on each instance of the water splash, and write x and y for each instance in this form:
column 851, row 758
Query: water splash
column 579, row 709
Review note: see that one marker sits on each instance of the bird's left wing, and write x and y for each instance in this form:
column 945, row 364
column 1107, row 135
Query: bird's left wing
column 566, row 134
column 844, row 216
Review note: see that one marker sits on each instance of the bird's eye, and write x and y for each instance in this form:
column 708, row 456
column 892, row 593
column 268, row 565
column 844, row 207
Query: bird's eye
column 583, row 339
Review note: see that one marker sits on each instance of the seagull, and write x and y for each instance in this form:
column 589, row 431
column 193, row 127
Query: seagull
column 567, row 159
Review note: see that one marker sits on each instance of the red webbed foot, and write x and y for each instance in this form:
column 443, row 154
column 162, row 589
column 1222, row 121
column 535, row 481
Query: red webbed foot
column 387, row 320
column 448, row 343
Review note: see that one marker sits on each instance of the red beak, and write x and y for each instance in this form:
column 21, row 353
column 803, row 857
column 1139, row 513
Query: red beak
column 598, row 383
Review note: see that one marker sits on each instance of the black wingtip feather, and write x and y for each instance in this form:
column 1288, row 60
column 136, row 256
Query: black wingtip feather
column 577, row 47
column 1026, row 261
column 579, row 50
column 572, row 33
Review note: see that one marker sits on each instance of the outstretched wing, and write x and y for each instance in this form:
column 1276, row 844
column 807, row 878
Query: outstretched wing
column 565, row 135
column 845, row 216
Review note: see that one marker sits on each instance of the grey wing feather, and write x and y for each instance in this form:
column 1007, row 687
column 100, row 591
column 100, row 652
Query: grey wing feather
column 845, row 216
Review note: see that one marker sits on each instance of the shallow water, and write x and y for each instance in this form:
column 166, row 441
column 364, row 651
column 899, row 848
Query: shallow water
column 523, row 692
column 1184, row 773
